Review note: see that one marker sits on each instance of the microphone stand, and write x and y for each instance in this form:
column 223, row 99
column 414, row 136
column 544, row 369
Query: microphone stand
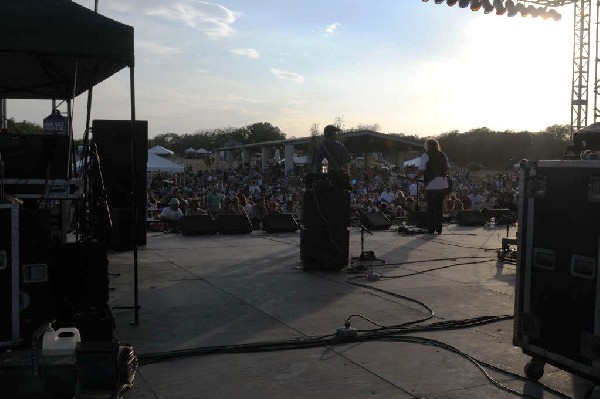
column 366, row 259
column 363, row 254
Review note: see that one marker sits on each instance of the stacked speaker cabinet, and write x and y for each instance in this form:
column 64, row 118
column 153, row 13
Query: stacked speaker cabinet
column 324, row 241
column 120, row 154
column 36, row 293
column 26, row 295
column 557, row 297
column 9, row 275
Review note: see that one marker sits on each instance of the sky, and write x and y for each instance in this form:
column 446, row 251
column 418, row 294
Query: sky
column 409, row 66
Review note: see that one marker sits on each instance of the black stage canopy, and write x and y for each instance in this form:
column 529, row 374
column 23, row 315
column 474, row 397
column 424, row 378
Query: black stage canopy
column 57, row 49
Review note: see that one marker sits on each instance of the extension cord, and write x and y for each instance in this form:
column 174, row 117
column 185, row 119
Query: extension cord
column 346, row 332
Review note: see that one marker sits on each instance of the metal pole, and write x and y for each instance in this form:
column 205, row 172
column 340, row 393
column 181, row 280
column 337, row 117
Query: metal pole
column 136, row 307
column 3, row 116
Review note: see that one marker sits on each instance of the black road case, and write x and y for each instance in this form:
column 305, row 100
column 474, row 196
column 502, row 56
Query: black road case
column 557, row 297
column 9, row 275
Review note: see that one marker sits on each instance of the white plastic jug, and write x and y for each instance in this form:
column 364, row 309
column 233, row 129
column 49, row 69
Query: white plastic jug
column 61, row 342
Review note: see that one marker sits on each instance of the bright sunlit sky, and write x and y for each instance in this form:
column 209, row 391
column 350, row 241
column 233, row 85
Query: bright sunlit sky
column 409, row 66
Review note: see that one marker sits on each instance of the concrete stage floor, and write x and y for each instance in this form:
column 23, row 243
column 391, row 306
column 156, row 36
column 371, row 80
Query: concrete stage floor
column 204, row 291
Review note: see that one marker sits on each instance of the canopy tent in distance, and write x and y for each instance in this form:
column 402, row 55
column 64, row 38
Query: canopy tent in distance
column 159, row 164
column 160, row 150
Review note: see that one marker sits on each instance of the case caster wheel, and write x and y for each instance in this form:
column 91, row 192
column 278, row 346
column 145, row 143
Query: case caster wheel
column 534, row 370
column 593, row 393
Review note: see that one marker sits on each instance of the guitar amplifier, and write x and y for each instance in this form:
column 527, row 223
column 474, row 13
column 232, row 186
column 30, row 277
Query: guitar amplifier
column 557, row 293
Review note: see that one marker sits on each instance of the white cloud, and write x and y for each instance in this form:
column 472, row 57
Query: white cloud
column 331, row 29
column 285, row 75
column 156, row 49
column 214, row 20
column 248, row 52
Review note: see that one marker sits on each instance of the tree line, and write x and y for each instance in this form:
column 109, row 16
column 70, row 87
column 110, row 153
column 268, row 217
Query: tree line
column 476, row 148
column 485, row 148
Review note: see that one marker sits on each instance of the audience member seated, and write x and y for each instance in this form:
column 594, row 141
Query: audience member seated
column 237, row 208
column 171, row 214
column 194, row 208
column 453, row 205
column 257, row 213
column 227, row 208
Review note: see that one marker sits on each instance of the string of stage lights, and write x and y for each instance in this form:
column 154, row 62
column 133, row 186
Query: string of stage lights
column 510, row 8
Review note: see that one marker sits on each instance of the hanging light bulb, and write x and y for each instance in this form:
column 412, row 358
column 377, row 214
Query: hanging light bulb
column 475, row 5
column 500, row 9
column 531, row 11
column 487, row 6
column 451, row 2
column 540, row 12
column 511, row 9
column 554, row 15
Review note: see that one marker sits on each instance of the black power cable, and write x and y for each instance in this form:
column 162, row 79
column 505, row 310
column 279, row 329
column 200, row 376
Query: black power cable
column 392, row 336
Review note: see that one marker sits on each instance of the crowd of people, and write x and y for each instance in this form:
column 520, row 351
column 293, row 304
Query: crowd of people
column 257, row 192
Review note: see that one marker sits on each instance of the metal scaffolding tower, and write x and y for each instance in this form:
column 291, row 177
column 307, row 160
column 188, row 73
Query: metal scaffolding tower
column 581, row 60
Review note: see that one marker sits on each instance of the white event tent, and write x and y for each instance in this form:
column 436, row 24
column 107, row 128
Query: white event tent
column 160, row 150
column 159, row 164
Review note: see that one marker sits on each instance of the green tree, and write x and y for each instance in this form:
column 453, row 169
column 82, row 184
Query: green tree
column 559, row 132
column 167, row 140
column 23, row 127
column 263, row 131
column 365, row 126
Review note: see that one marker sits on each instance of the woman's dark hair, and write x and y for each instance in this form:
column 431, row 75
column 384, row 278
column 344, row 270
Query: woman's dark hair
column 432, row 145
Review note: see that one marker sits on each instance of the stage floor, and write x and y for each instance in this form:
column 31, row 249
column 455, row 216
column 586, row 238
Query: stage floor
column 204, row 291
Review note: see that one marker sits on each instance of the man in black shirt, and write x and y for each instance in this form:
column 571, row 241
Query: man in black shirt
column 335, row 152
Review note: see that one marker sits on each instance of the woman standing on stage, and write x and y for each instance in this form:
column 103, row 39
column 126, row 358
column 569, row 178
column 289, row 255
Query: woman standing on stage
column 434, row 166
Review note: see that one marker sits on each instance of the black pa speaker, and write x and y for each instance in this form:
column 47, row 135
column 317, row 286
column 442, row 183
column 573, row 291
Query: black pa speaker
column 375, row 221
column 323, row 248
column 49, row 153
column 470, row 218
column 80, row 274
column 198, row 224
column 279, row 222
column 326, row 206
column 234, row 224
column 36, row 297
column 122, row 235
column 114, row 142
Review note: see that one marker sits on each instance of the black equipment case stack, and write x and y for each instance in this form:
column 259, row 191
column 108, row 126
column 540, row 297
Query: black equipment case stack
column 325, row 238
column 9, row 275
column 557, row 297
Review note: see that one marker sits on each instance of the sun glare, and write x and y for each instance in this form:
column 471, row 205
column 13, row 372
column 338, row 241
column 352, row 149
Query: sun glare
column 506, row 73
